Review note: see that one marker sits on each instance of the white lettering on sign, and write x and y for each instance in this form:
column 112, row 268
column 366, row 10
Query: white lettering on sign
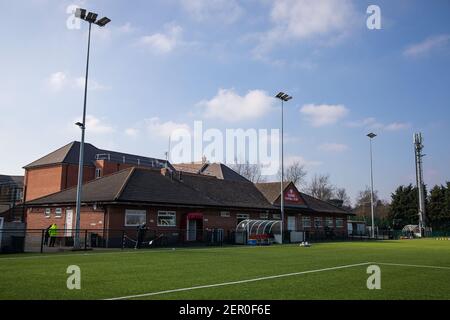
column 291, row 195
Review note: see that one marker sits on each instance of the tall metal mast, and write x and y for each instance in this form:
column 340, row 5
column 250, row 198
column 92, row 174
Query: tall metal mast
column 418, row 147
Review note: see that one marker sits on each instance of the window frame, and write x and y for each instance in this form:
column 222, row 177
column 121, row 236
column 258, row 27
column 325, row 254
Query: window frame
column 308, row 218
column 328, row 219
column 49, row 210
column 167, row 213
column 225, row 214
column 134, row 212
column 316, row 219
column 341, row 220
column 264, row 216
column 58, row 215
column 98, row 173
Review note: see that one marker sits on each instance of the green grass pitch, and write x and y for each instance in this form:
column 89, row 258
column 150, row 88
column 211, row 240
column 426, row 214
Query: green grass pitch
column 128, row 273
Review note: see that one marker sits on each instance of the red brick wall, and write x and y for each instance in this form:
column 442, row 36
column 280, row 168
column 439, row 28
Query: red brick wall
column 90, row 218
column 211, row 217
column 70, row 175
column 43, row 181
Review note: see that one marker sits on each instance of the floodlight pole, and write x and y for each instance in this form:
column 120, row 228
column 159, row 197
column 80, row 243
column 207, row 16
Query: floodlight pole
column 371, row 136
column 81, row 159
column 90, row 18
column 284, row 98
column 282, row 170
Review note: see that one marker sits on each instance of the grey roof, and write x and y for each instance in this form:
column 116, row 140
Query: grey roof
column 70, row 154
column 11, row 181
column 150, row 186
column 218, row 170
column 272, row 192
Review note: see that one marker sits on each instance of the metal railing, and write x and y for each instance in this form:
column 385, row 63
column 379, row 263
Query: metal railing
column 44, row 240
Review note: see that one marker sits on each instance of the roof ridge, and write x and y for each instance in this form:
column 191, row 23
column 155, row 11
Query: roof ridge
column 324, row 201
column 54, row 151
column 119, row 193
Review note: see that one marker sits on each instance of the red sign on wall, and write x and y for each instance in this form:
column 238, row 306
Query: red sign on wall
column 291, row 195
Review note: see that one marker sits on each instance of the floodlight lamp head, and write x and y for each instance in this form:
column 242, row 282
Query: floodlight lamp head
column 80, row 13
column 371, row 135
column 280, row 95
column 103, row 22
column 79, row 124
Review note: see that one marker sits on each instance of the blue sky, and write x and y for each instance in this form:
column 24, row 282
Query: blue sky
column 162, row 64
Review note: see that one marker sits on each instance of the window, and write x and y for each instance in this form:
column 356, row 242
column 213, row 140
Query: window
column 339, row 223
column 329, row 222
column 134, row 218
column 306, row 222
column 47, row 212
column 318, row 222
column 98, row 173
column 225, row 214
column 264, row 215
column 276, row 216
column 167, row 219
column 58, row 212
column 241, row 217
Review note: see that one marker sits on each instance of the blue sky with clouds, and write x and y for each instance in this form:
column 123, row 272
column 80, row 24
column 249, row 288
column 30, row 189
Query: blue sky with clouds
column 162, row 64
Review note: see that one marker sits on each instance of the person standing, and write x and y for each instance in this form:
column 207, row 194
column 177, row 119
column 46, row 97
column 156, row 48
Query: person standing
column 142, row 229
column 47, row 235
column 53, row 232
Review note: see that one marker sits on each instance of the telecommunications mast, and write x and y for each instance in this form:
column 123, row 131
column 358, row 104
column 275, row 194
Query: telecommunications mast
column 418, row 147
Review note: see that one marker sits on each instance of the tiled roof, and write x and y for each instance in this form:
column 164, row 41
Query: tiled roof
column 70, row 154
column 218, row 170
column 11, row 181
column 272, row 192
column 150, row 186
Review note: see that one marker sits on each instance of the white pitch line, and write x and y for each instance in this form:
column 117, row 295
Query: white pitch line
column 239, row 282
column 411, row 265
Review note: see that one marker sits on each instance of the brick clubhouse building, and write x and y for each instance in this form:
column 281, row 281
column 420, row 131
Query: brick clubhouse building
column 122, row 191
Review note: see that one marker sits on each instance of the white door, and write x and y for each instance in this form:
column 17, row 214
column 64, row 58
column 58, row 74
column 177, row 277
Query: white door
column 69, row 222
column 291, row 226
column 1, row 232
column 192, row 230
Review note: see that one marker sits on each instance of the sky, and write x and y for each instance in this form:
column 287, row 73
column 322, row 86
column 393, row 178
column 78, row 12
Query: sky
column 163, row 64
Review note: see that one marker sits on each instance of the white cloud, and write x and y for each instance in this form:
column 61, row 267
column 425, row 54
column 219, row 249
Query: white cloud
column 132, row 132
column 333, row 147
column 306, row 19
column 428, row 45
column 324, row 114
column 229, row 106
column 94, row 125
column 224, row 11
column 155, row 127
column 57, row 80
column 373, row 124
column 395, row 126
column 162, row 43
column 60, row 80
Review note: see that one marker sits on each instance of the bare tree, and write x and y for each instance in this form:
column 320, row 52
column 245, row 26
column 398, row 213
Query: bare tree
column 341, row 194
column 364, row 199
column 295, row 173
column 321, row 188
column 249, row 171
